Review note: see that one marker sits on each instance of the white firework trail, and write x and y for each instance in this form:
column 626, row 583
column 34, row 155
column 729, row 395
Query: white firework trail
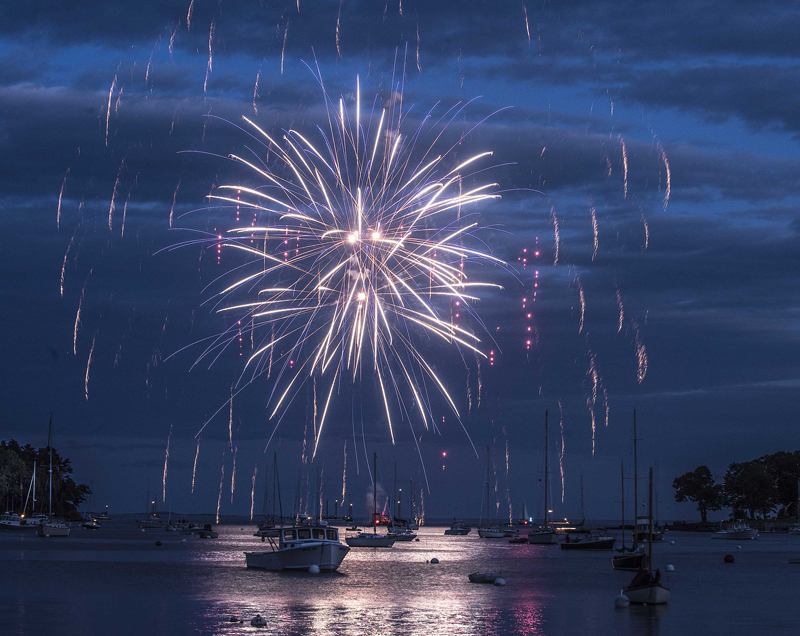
column 646, row 232
column 557, row 236
column 114, row 196
column 668, row 185
column 233, row 472
column 624, row 168
column 365, row 218
column 78, row 314
column 344, row 473
column 171, row 46
column 150, row 62
column 174, row 199
column 594, row 232
column 583, row 302
column 125, row 212
column 338, row 24
column 255, row 92
column 419, row 68
column 210, row 55
column 166, row 464
column 63, row 275
column 88, row 366
column 253, row 491
column 189, row 16
column 58, row 209
column 108, row 107
column 561, row 450
column 194, row 466
column 641, row 353
column 594, row 378
column 527, row 26
column 621, row 308
column 283, row 48
column 230, row 420
column 221, row 480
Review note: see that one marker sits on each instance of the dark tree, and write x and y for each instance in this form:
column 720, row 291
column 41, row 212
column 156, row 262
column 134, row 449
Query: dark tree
column 699, row 486
column 784, row 469
column 750, row 487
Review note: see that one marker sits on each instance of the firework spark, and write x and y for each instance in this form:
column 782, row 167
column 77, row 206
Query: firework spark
column 338, row 25
column 60, row 196
column 641, row 353
column 194, row 466
column 174, row 199
column 114, row 196
column 621, row 308
column 255, row 92
column 233, row 472
column 668, row 185
column 253, row 491
column 166, row 464
column 594, row 232
column 556, row 234
column 108, row 107
column 88, row 366
column 561, row 450
column 373, row 251
column 221, row 480
column 527, row 26
column 189, row 16
column 646, row 232
column 78, row 313
column 344, row 472
column 624, row 168
column 64, row 273
column 211, row 55
column 583, row 302
column 283, row 49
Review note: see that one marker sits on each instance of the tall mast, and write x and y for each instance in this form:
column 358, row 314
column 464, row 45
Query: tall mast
column 635, row 485
column 650, row 526
column 488, row 467
column 622, row 481
column 276, row 485
column 375, row 493
column 583, row 513
column 546, row 472
column 318, row 502
column 396, row 505
column 411, row 499
column 50, row 448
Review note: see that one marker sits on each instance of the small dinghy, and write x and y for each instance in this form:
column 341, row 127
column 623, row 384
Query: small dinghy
column 259, row 621
column 484, row 577
column 519, row 540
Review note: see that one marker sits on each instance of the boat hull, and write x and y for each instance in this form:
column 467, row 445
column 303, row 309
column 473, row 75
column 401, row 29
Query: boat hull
column 457, row 532
column 589, row 544
column 654, row 594
column 736, row 535
column 371, row 541
column 59, row 530
column 326, row 556
column 632, row 562
column 486, row 533
column 543, row 538
column 405, row 536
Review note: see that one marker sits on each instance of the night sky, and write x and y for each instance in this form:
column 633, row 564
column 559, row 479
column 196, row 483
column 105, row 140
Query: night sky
column 703, row 95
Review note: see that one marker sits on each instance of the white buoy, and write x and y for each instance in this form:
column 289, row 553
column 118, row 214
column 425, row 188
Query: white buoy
column 672, row 543
column 738, row 547
column 622, row 601
column 142, row 529
column 183, row 540
column 499, row 581
column 259, row 621
column 434, row 560
column 670, row 568
column 314, row 569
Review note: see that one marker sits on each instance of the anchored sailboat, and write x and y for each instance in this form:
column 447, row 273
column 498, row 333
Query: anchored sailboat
column 545, row 535
column 52, row 527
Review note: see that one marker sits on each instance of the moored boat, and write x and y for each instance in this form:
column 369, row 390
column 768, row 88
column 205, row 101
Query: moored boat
column 373, row 539
column 299, row 548
column 735, row 531
column 545, row 534
column 457, row 528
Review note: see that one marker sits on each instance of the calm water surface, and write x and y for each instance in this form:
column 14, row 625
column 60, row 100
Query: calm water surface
column 116, row 581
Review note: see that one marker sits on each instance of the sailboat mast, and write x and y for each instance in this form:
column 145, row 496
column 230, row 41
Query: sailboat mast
column 411, row 500
column 276, row 485
column 546, row 471
column 50, row 472
column 488, row 472
column 583, row 512
column 396, row 505
column 375, row 493
column 622, row 482
column 650, row 526
column 635, row 485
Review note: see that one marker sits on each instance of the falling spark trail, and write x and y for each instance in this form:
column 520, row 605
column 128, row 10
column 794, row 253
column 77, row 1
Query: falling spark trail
column 58, row 209
column 621, row 311
column 78, row 315
column 624, row 168
column 594, row 232
column 194, row 466
column 641, row 354
column 646, row 232
column 230, row 420
column 64, row 272
column 166, row 464
column 338, row 23
column 583, row 302
column 283, row 49
column 114, row 196
column 125, row 212
column 221, row 480
column 527, row 26
column 669, row 175
column 255, row 92
column 419, row 68
column 210, row 56
column 88, row 366
column 557, row 236
column 174, row 199
column 561, row 450
column 253, row 491
column 189, row 16
column 108, row 107
column 594, row 377
column 344, row 473
column 233, row 472
column 171, row 46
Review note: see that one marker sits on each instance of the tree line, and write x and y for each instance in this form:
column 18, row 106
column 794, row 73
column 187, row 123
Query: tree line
column 16, row 472
column 763, row 486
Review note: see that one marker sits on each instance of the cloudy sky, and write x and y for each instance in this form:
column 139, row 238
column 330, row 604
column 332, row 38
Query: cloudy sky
column 667, row 131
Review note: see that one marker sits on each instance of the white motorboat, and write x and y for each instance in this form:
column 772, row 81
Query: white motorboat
column 458, row 528
column 300, row 547
column 491, row 532
column 735, row 531
column 795, row 529
column 18, row 523
column 405, row 535
column 53, row 528
column 90, row 524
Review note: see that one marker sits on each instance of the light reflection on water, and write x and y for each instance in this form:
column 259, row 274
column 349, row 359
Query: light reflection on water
column 119, row 577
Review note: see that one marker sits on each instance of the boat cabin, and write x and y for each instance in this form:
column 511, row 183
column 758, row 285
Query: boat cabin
column 291, row 537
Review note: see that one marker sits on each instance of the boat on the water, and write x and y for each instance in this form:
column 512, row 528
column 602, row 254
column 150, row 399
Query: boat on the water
column 299, row 547
column 646, row 587
column 545, row 534
column 735, row 531
column 151, row 520
column 207, row 532
column 457, row 528
column 489, row 530
column 484, row 577
column 588, row 541
column 51, row 527
column 405, row 535
column 17, row 522
column 632, row 558
column 373, row 539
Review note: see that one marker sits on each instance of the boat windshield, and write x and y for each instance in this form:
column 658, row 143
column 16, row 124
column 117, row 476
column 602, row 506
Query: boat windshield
column 304, row 533
column 289, row 535
column 333, row 535
column 318, row 533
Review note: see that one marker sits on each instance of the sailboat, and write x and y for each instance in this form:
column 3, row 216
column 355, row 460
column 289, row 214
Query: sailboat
column 18, row 522
column 647, row 588
column 642, row 528
column 545, row 535
column 488, row 531
column 372, row 539
column 271, row 525
column 152, row 520
column 587, row 538
column 52, row 527
column 632, row 558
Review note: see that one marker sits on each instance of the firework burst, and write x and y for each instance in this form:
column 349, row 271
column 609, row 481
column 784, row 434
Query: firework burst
column 360, row 257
